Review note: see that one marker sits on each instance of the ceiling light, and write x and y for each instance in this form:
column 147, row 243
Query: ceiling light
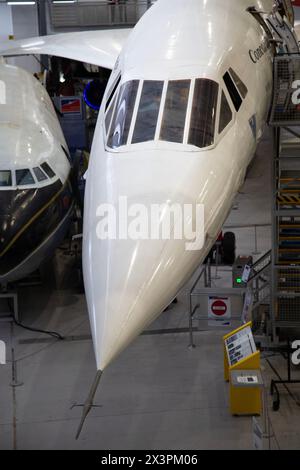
column 21, row 3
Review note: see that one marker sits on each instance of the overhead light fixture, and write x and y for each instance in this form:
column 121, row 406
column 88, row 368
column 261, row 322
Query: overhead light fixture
column 63, row 1
column 21, row 3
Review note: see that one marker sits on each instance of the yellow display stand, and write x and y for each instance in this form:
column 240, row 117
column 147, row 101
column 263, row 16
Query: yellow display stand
column 243, row 401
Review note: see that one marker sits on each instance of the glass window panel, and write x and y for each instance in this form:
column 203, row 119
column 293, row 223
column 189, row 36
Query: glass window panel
column 48, row 170
column 111, row 95
column 240, row 85
column 5, row 178
column 233, row 92
column 202, row 128
column 40, row 175
column 24, row 177
column 146, row 121
column 225, row 113
column 173, row 122
column 109, row 115
column 120, row 125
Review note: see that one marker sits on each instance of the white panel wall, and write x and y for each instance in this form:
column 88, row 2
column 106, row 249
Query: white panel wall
column 6, row 24
column 25, row 25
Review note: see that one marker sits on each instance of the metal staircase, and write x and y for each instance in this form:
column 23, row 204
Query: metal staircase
column 259, row 282
column 285, row 118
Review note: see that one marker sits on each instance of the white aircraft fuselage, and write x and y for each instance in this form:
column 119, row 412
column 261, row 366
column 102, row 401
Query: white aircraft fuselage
column 190, row 47
column 35, row 194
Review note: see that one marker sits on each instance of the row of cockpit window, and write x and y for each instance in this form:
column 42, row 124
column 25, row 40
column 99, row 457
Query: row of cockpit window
column 179, row 111
column 26, row 177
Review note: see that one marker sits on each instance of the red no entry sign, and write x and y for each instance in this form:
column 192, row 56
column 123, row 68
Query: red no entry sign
column 219, row 311
column 219, row 308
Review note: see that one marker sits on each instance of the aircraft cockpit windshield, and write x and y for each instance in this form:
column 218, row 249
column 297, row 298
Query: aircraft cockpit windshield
column 177, row 111
column 5, row 178
column 27, row 176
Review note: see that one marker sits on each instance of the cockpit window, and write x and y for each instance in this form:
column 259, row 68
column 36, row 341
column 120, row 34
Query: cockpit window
column 121, row 121
column 204, row 110
column 40, row 175
column 112, row 93
column 5, row 178
column 156, row 110
column 225, row 113
column 233, row 91
column 109, row 114
column 174, row 116
column 146, row 121
column 24, row 177
column 240, row 85
column 48, row 170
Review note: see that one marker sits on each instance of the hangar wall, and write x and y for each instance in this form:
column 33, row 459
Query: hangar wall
column 6, row 23
column 24, row 26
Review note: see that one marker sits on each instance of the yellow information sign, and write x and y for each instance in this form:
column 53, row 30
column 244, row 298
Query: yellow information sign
column 240, row 353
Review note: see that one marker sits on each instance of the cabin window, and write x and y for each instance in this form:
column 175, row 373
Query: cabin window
column 225, row 113
column 24, row 177
column 147, row 116
column 233, row 92
column 173, row 122
column 5, row 178
column 121, row 121
column 204, row 110
column 239, row 84
column 48, row 170
column 40, row 175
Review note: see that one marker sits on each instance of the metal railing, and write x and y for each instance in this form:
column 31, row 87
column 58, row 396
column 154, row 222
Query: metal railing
column 258, row 283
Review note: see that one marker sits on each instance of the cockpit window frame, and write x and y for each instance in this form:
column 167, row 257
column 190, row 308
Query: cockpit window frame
column 183, row 106
column 10, row 176
column 152, row 115
column 129, row 146
column 239, row 83
column 112, row 92
column 214, row 97
column 21, row 183
column 127, row 90
column 36, row 183
column 223, row 92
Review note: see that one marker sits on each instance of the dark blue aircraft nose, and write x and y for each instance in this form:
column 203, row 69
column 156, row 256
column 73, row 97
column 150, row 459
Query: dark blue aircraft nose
column 27, row 218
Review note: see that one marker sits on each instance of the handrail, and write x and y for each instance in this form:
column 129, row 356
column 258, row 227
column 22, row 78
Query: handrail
column 257, row 272
column 205, row 271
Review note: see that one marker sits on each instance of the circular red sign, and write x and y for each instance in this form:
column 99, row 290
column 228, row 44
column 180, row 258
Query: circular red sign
column 219, row 308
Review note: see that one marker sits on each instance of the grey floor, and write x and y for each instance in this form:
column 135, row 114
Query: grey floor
column 159, row 394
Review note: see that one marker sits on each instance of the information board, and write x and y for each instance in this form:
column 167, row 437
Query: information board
column 240, row 345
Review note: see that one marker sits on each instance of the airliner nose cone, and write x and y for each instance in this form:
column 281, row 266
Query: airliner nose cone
column 128, row 284
column 127, row 291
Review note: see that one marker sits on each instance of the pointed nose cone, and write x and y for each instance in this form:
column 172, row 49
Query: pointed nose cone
column 127, row 290
column 129, row 282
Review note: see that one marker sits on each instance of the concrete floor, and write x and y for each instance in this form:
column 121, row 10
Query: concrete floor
column 158, row 394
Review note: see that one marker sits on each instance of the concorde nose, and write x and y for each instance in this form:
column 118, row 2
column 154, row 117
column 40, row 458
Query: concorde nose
column 128, row 284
